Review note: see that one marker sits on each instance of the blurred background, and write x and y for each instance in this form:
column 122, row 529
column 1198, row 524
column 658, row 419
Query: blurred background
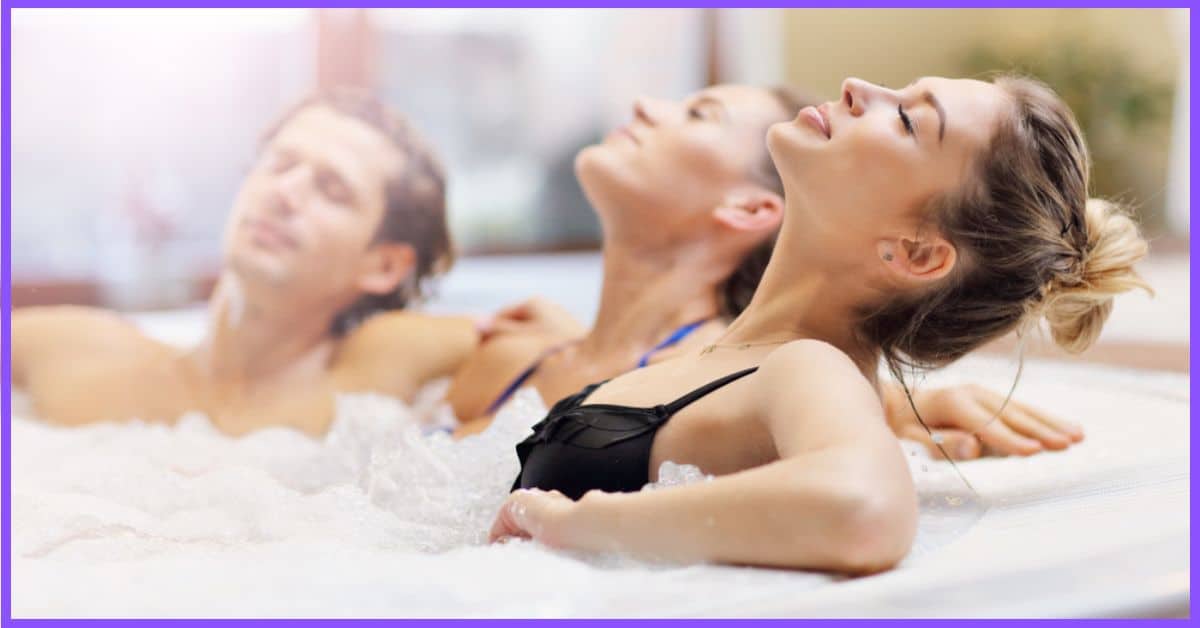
column 131, row 129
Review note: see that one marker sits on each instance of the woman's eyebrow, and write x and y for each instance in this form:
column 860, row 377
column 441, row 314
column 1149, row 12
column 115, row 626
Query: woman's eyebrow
column 937, row 106
column 928, row 97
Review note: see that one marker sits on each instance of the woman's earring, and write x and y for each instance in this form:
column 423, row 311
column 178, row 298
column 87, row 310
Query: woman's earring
column 887, row 257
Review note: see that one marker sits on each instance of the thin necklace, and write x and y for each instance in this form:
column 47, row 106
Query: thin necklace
column 741, row 345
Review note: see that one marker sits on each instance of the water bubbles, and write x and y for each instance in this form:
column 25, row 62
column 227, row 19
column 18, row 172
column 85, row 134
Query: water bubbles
column 518, row 511
column 375, row 482
column 672, row 474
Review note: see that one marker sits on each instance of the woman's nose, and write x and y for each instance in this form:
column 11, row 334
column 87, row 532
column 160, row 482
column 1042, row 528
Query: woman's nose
column 858, row 94
column 853, row 95
column 648, row 111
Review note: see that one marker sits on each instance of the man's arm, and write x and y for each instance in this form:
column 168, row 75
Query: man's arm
column 395, row 353
column 44, row 335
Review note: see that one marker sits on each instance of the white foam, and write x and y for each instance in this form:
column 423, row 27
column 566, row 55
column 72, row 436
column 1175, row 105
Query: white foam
column 379, row 519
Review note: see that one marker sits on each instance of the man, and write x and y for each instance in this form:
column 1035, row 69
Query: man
column 335, row 230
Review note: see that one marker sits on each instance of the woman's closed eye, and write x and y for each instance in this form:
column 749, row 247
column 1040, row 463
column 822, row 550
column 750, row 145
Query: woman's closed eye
column 909, row 127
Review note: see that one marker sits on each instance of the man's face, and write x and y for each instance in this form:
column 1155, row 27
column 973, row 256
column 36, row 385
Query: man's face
column 305, row 217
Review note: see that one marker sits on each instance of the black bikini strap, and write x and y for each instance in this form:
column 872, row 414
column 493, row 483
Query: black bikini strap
column 684, row 401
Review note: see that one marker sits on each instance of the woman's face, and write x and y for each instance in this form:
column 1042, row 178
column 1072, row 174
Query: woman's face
column 676, row 161
column 866, row 164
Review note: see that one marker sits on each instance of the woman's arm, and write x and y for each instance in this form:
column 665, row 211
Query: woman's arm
column 487, row 371
column 840, row 498
column 511, row 341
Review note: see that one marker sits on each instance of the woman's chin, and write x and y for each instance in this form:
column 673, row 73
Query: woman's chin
column 785, row 143
column 603, row 175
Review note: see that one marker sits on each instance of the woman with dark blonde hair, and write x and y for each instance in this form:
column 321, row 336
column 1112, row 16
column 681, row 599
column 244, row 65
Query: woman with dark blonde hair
column 920, row 223
column 690, row 204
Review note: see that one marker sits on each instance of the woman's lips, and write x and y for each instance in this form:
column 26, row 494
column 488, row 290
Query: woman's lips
column 625, row 132
column 816, row 119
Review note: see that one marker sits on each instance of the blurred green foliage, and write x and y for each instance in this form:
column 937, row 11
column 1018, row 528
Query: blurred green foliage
column 1124, row 111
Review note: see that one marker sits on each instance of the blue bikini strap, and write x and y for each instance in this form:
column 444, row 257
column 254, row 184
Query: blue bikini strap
column 520, row 380
column 675, row 338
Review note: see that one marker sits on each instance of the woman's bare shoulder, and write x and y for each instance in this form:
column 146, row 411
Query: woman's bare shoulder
column 812, row 394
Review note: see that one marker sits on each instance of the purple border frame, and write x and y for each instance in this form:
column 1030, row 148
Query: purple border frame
column 517, row 4
column 6, row 286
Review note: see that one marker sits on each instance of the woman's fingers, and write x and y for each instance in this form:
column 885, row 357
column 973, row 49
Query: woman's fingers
column 999, row 436
column 502, row 326
column 1051, row 432
column 484, row 323
column 1004, row 429
column 1025, row 424
column 1072, row 431
column 509, row 319
column 518, row 312
column 512, row 521
column 527, row 513
column 958, row 444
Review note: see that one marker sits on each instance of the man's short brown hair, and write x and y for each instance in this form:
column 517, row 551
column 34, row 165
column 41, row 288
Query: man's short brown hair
column 415, row 199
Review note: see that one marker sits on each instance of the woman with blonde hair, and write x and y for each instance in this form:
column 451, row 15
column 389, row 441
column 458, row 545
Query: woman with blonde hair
column 690, row 203
column 919, row 224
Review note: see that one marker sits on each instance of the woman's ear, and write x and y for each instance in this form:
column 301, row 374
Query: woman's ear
column 385, row 266
column 754, row 211
column 913, row 260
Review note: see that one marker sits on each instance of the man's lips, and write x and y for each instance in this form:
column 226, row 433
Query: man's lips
column 265, row 232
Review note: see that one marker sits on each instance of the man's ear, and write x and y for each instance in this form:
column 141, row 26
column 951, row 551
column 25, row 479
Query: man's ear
column 754, row 211
column 386, row 266
column 917, row 260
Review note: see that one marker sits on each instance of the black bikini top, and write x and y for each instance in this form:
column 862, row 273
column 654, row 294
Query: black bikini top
column 579, row 447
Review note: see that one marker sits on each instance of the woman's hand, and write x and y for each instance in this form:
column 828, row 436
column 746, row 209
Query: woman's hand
column 548, row 517
column 964, row 419
column 535, row 316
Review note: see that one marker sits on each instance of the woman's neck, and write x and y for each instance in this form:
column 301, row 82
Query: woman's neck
column 648, row 292
column 805, row 293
